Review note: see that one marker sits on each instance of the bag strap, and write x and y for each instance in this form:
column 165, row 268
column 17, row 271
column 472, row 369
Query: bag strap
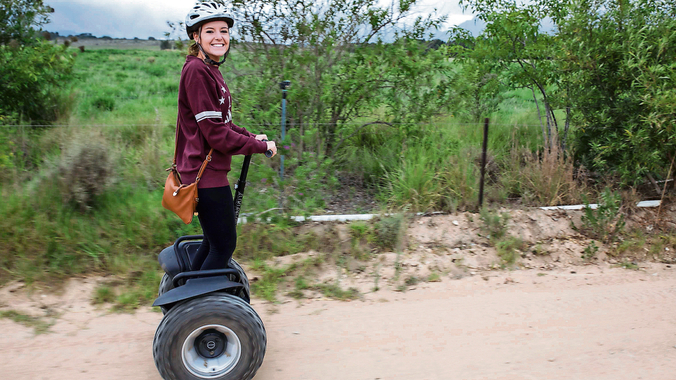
column 204, row 164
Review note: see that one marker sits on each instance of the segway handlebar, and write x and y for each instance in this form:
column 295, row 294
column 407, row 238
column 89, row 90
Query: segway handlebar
column 268, row 153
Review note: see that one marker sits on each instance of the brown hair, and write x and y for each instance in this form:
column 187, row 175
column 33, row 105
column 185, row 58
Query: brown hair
column 193, row 50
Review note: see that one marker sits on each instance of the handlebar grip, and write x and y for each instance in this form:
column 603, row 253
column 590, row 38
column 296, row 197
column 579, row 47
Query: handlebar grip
column 268, row 153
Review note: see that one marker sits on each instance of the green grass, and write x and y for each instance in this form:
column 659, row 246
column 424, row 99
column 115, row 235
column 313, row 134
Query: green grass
column 590, row 251
column 388, row 231
column 126, row 101
column 300, row 284
column 509, row 248
column 494, row 224
column 103, row 294
column 629, row 265
column 39, row 325
column 334, row 290
column 267, row 286
column 411, row 280
column 494, row 228
column 48, row 239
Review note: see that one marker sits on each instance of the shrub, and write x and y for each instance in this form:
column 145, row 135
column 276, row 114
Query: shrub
column 495, row 224
column 508, row 249
column 544, row 179
column 85, row 172
column 154, row 70
column 33, row 91
column 607, row 220
column 590, row 251
column 104, row 103
column 388, row 232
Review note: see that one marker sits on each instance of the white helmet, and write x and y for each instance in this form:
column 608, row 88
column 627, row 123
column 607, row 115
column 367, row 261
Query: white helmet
column 203, row 12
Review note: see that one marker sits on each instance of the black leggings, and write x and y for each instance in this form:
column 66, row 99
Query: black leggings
column 217, row 216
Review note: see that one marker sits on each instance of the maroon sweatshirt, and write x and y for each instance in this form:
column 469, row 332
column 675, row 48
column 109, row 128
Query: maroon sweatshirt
column 205, row 119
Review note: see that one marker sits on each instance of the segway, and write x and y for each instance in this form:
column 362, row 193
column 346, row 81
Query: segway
column 209, row 329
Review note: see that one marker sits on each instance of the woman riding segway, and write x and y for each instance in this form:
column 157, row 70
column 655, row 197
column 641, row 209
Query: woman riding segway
column 209, row 330
column 205, row 123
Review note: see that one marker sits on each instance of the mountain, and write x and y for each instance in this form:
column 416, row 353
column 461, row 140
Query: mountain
column 474, row 26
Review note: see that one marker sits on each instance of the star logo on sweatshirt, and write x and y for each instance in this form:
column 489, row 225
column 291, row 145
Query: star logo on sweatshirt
column 222, row 100
column 223, row 89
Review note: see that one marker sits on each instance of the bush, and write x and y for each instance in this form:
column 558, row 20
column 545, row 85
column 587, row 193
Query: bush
column 154, row 70
column 606, row 221
column 620, row 79
column 33, row 78
column 508, row 249
column 388, row 232
column 544, row 179
column 495, row 224
column 85, row 172
column 104, row 103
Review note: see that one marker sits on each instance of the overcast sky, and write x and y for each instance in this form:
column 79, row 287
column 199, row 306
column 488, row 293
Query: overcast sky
column 148, row 18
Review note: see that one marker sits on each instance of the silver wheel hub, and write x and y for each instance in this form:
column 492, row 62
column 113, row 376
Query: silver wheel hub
column 211, row 364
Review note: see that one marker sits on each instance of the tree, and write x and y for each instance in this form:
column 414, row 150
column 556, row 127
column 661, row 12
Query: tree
column 478, row 88
column 32, row 70
column 345, row 58
column 20, row 18
column 515, row 46
column 31, row 78
column 608, row 64
column 618, row 59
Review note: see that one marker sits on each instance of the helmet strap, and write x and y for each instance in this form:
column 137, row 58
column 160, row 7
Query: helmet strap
column 208, row 59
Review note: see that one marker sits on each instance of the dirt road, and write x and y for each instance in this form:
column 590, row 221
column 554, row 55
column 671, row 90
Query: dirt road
column 597, row 323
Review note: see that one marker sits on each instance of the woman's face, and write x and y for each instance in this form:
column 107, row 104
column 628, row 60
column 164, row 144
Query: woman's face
column 214, row 38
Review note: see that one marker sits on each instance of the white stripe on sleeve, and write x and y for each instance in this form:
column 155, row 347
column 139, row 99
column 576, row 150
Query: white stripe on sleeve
column 208, row 115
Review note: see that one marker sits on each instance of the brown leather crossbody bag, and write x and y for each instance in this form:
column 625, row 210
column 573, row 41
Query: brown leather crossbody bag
column 180, row 198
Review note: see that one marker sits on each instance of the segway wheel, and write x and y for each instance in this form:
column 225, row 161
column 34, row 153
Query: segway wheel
column 244, row 279
column 165, row 286
column 218, row 336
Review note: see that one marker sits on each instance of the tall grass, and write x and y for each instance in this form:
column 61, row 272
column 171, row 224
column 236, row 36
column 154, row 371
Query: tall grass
column 438, row 167
column 127, row 99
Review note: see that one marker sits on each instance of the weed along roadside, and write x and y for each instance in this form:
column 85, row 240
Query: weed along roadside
column 343, row 260
column 289, row 259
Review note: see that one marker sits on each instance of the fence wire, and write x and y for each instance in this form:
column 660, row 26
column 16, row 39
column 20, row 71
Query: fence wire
column 260, row 125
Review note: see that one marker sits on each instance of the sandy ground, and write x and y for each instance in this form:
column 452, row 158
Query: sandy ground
column 579, row 322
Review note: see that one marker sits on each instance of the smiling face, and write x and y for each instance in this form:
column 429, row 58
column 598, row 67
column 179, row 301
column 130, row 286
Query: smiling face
column 214, row 38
